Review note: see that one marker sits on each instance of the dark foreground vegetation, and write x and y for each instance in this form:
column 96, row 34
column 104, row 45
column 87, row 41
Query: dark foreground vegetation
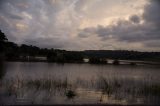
column 11, row 51
column 117, row 89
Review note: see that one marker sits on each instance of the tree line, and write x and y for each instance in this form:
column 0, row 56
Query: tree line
column 11, row 51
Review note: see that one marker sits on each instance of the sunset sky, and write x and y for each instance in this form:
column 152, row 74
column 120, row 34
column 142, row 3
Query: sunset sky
column 83, row 24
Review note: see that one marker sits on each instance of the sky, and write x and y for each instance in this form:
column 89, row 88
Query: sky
column 83, row 24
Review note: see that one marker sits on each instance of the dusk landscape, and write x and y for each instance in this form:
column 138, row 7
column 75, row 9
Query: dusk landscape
column 80, row 52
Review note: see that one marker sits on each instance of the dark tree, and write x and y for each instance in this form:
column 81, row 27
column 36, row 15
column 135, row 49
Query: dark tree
column 3, row 40
column 2, row 37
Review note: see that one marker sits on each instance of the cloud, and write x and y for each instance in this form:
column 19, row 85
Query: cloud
column 33, row 19
column 153, row 43
column 81, row 24
column 46, row 42
column 135, row 19
column 151, row 14
column 144, row 29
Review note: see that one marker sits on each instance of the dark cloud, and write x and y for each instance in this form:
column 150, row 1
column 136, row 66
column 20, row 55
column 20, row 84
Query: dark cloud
column 13, row 16
column 56, row 23
column 45, row 23
column 86, row 32
column 8, row 11
column 151, row 13
column 135, row 19
column 132, row 31
column 154, row 43
column 57, row 43
column 24, row 19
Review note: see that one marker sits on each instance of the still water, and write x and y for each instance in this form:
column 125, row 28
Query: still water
column 51, row 83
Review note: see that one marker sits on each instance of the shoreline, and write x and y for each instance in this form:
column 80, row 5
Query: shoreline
column 131, row 63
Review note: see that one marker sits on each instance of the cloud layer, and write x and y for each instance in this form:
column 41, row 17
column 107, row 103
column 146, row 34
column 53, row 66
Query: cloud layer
column 139, row 29
column 83, row 24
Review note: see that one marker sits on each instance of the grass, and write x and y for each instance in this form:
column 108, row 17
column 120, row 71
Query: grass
column 151, row 90
column 17, row 87
column 108, row 87
column 115, row 86
column 47, row 84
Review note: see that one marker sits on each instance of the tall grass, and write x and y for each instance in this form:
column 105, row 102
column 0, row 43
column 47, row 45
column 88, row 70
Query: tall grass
column 128, row 87
column 19, row 87
column 114, row 87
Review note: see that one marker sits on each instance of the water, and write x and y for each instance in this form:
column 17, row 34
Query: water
column 51, row 83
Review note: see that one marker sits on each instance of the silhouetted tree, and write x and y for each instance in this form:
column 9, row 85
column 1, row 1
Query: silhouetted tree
column 73, row 56
column 13, row 52
column 3, row 39
column 51, row 56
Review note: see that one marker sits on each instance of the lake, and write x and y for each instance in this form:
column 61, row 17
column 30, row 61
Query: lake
column 51, row 83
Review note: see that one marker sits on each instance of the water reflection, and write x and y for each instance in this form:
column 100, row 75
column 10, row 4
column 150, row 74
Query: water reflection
column 47, row 83
column 2, row 70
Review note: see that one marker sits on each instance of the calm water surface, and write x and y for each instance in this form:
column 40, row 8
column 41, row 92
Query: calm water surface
column 51, row 83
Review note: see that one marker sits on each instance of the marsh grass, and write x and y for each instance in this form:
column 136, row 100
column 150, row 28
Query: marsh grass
column 19, row 87
column 112, row 88
column 150, row 90
column 48, row 84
